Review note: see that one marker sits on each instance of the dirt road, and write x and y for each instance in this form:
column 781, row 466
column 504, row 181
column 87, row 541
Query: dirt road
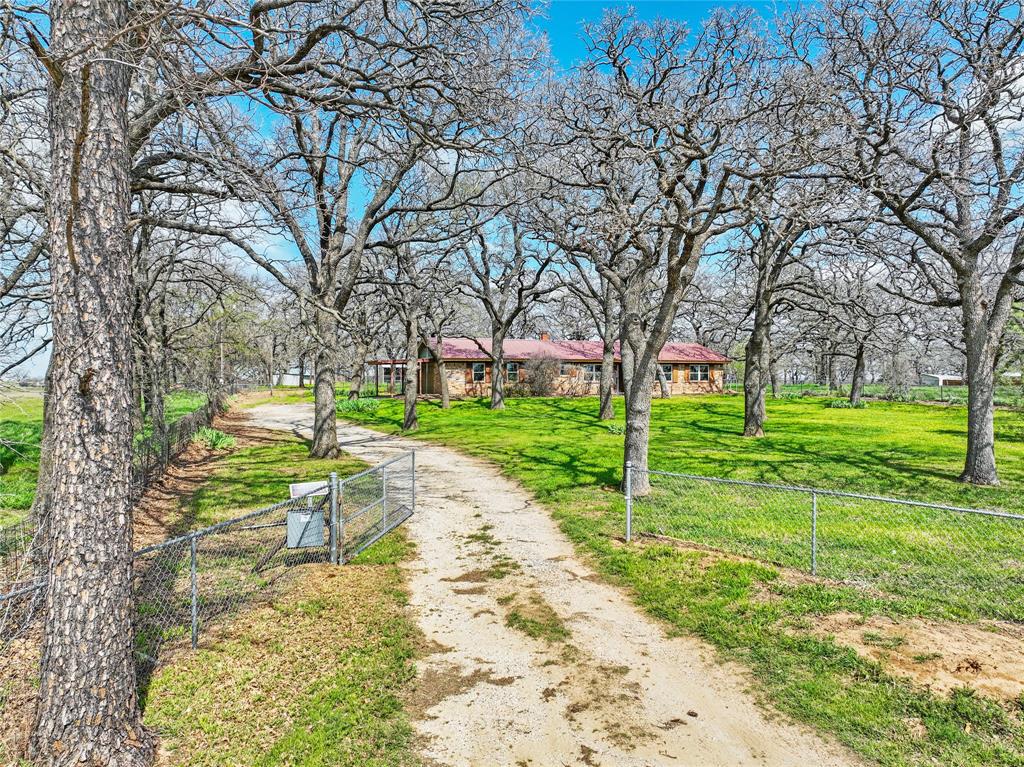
column 534, row 660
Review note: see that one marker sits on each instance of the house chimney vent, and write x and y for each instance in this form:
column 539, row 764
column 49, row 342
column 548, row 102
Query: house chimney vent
column 545, row 336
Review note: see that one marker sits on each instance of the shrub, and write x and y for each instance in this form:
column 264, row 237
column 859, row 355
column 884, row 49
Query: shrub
column 541, row 376
column 361, row 405
column 214, row 439
column 844, row 404
column 616, row 428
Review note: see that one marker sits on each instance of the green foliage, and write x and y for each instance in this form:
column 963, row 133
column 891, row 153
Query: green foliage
column 180, row 403
column 616, row 428
column 845, row 404
column 366, row 405
column 214, row 439
column 21, row 429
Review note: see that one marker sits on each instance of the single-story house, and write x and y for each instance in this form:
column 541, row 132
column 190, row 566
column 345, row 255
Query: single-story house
column 688, row 368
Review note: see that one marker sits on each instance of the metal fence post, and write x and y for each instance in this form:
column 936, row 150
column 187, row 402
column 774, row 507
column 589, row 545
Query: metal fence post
column 629, row 501
column 814, row 533
column 340, row 534
column 195, row 591
column 384, row 494
column 333, row 532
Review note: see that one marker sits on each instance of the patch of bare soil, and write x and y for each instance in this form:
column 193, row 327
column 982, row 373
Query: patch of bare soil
column 940, row 656
column 163, row 511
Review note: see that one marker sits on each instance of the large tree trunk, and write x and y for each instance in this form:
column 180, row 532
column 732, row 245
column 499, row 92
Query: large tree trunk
column 980, row 465
column 755, row 374
column 325, row 425
column 410, row 422
column 607, row 379
column 87, row 710
column 857, row 384
column 358, row 370
column 497, row 368
column 638, row 428
column 442, row 374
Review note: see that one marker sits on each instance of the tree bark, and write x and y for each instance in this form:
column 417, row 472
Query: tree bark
column 442, row 374
column 325, row 424
column 607, row 379
column 410, row 421
column 497, row 367
column 87, row 709
column 857, row 384
column 358, row 367
column 638, row 428
column 662, row 383
column 755, row 374
column 980, row 464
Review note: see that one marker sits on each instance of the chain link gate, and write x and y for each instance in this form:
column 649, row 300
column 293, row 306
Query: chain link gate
column 183, row 583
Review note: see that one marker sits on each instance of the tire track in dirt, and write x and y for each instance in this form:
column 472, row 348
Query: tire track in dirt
column 531, row 659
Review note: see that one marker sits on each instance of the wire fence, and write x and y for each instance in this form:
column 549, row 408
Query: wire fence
column 21, row 561
column 154, row 452
column 940, row 560
column 183, row 585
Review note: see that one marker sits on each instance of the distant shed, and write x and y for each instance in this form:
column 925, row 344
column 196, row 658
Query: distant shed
column 942, row 379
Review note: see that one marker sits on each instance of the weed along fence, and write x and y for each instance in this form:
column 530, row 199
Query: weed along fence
column 932, row 559
column 183, row 584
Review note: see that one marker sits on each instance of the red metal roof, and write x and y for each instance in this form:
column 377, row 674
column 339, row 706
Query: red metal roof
column 463, row 349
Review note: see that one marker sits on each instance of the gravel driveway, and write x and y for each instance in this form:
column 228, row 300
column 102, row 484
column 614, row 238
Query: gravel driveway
column 531, row 658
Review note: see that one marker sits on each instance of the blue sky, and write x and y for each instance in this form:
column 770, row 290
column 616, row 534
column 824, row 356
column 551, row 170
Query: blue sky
column 563, row 23
column 565, row 18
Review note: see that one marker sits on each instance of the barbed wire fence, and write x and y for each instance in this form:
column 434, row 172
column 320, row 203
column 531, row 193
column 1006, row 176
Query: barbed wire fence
column 947, row 561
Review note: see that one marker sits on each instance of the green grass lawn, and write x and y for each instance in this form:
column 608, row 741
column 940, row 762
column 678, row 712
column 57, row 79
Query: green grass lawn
column 21, row 429
column 751, row 611
column 312, row 669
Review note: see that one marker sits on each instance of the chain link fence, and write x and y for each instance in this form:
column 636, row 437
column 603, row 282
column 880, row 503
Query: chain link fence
column 20, row 595
column 154, row 452
column 20, row 560
column 183, row 585
column 941, row 560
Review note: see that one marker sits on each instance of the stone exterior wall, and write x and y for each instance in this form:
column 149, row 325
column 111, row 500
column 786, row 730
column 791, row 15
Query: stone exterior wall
column 572, row 384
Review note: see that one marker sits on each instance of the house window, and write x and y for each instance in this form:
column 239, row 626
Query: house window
column 565, row 369
column 512, row 371
column 666, row 370
column 591, row 373
column 479, row 372
column 700, row 372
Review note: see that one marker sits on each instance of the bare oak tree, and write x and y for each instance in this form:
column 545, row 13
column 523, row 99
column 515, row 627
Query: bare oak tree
column 926, row 98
